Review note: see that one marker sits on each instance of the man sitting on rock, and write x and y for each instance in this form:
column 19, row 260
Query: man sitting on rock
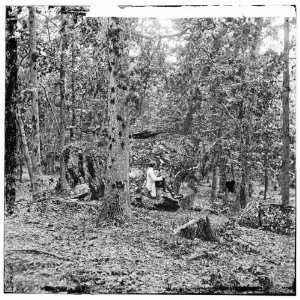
column 152, row 179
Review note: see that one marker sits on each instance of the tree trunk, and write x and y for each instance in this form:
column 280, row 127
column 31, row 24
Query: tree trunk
column 243, row 193
column 222, row 187
column 285, row 120
column 10, row 160
column 36, row 146
column 73, row 117
column 188, row 121
column 63, row 47
column 116, row 204
column 25, row 150
column 266, row 177
column 215, row 184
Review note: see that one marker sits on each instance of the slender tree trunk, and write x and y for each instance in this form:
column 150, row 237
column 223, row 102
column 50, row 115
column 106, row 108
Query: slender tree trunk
column 10, row 110
column 63, row 47
column 215, row 184
column 266, row 177
column 73, row 117
column 36, row 147
column 222, row 168
column 25, row 150
column 244, row 186
column 188, row 121
column 116, row 205
column 285, row 180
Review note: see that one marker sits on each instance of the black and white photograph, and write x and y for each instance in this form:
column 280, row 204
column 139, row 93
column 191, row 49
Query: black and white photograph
column 149, row 150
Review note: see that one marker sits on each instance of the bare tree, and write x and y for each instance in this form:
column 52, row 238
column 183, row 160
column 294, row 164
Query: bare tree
column 285, row 119
column 63, row 48
column 117, row 181
column 10, row 110
column 36, row 145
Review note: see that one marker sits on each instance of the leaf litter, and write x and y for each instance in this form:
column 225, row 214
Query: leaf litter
column 57, row 248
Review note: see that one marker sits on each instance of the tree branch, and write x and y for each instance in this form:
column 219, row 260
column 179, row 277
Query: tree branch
column 160, row 36
column 51, row 105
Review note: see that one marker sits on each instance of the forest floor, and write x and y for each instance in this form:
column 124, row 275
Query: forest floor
column 55, row 247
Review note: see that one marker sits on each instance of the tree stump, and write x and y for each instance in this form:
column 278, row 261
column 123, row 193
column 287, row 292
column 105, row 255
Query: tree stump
column 207, row 227
column 85, row 165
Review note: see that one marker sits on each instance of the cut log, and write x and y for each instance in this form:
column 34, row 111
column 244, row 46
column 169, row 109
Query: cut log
column 207, row 227
column 168, row 203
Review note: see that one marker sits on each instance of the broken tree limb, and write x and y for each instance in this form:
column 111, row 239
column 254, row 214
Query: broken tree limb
column 145, row 134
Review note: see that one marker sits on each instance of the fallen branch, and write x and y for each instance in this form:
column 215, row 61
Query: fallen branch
column 34, row 251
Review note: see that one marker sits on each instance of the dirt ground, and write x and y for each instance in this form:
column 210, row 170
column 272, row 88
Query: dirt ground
column 55, row 247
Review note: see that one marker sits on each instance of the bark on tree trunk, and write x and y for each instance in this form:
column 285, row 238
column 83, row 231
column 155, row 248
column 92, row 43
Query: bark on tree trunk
column 222, row 187
column 26, row 151
column 10, row 110
column 36, row 146
column 266, row 177
column 244, row 186
column 285, row 180
column 188, row 121
column 215, row 184
column 63, row 47
column 73, row 117
column 116, row 204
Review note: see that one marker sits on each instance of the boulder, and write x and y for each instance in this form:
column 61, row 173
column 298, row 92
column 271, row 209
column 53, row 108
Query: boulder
column 81, row 192
column 136, row 173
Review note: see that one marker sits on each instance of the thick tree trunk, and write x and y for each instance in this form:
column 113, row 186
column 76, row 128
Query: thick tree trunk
column 63, row 47
column 26, row 151
column 10, row 111
column 36, row 146
column 116, row 203
column 285, row 120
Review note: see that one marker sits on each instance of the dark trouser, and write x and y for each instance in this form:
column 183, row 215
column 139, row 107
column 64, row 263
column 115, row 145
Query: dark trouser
column 161, row 184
